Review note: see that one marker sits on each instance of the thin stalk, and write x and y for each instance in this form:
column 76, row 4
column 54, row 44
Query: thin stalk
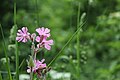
column 35, row 56
column 5, row 51
column 22, row 63
column 32, row 50
column 73, row 68
column 0, row 76
column 16, row 44
column 32, row 54
column 17, row 58
column 78, row 42
column 31, row 74
column 58, row 54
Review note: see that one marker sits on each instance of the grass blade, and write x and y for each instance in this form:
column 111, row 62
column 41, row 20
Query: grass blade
column 16, row 44
column 58, row 54
column 22, row 63
column 6, row 56
column 0, row 76
column 17, row 59
column 78, row 42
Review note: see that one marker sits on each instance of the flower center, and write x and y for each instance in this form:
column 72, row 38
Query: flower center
column 24, row 35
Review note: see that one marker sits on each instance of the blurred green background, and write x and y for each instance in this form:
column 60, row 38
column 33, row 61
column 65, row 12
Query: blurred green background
column 99, row 39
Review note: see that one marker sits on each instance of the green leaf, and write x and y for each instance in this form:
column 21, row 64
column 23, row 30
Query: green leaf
column 6, row 56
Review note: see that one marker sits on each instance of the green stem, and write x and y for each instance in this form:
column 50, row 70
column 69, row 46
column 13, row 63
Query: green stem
column 5, row 51
column 16, row 44
column 0, row 76
column 58, row 54
column 31, row 74
column 78, row 42
column 35, row 56
column 32, row 54
column 21, row 63
column 17, row 58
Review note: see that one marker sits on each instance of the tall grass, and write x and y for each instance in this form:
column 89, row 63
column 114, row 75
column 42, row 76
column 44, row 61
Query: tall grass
column 78, row 42
column 6, row 56
column 70, row 39
column 0, row 76
column 16, row 44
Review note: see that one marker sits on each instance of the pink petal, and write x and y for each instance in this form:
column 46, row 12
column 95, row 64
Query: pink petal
column 24, row 29
column 28, row 33
column 42, row 60
column 50, row 42
column 38, row 39
column 47, row 30
column 38, row 45
column 20, row 31
column 42, row 66
column 19, row 34
column 39, row 31
column 48, row 35
column 42, row 29
column 48, row 47
column 19, row 39
column 32, row 35
column 28, row 70
column 24, row 40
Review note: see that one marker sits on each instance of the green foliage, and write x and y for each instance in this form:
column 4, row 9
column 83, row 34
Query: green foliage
column 99, row 38
column 6, row 56
column 0, row 76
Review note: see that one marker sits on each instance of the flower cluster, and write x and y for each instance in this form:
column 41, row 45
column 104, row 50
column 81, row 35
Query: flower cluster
column 23, row 36
column 44, row 33
column 38, row 65
column 42, row 41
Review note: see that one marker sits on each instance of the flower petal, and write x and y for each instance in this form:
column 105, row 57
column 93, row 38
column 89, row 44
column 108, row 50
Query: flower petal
column 48, row 47
column 47, row 30
column 24, row 40
column 28, row 70
column 24, row 29
column 38, row 39
column 50, row 42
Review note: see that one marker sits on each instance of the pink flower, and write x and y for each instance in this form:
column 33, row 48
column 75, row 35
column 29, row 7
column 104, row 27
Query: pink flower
column 48, row 43
column 43, row 31
column 37, row 65
column 44, row 43
column 23, row 35
column 32, row 37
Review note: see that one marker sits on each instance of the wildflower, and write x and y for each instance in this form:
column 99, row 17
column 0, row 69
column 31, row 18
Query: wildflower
column 37, row 65
column 32, row 37
column 23, row 35
column 43, row 31
column 46, row 44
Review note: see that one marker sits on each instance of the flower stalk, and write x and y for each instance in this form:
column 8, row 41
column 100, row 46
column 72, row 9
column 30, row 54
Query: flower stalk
column 35, row 66
column 78, row 42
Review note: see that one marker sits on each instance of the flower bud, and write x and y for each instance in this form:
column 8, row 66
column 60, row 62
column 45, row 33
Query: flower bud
column 83, row 16
column 33, row 37
column 31, row 62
